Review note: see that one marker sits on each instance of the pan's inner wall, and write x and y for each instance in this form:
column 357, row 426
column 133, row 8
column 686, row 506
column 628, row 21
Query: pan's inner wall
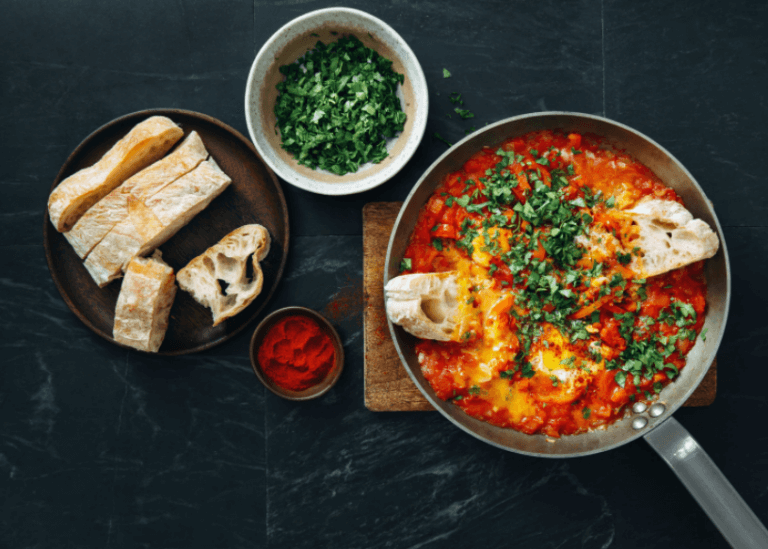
column 673, row 174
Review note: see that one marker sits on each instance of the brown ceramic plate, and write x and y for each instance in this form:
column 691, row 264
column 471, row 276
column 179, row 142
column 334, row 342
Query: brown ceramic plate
column 254, row 196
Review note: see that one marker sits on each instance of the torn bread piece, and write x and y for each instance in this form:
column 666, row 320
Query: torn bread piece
column 227, row 261
column 147, row 142
column 425, row 304
column 669, row 237
column 150, row 224
column 144, row 303
column 113, row 208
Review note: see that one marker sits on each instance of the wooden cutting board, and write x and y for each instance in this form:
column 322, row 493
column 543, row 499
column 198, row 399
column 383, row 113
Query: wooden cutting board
column 387, row 385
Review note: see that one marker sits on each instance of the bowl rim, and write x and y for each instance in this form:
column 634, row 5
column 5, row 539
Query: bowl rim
column 341, row 188
column 311, row 392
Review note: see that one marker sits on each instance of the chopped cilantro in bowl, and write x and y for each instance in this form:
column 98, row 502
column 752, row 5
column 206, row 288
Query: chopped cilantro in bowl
column 338, row 105
column 294, row 41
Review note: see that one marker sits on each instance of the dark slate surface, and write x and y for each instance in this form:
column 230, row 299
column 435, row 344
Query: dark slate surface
column 101, row 447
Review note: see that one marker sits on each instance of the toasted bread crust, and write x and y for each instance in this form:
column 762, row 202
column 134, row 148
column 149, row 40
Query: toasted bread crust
column 147, row 142
column 150, row 224
column 144, row 304
column 96, row 223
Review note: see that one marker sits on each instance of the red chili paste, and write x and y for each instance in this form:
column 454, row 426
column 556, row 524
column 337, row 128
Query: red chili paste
column 296, row 353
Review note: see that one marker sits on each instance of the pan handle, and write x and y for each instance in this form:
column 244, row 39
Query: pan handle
column 709, row 487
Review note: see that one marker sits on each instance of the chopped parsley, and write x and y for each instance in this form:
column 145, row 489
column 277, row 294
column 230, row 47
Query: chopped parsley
column 446, row 74
column 621, row 378
column 463, row 113
column 338, row 105
column 406, row 264
column 444, row 140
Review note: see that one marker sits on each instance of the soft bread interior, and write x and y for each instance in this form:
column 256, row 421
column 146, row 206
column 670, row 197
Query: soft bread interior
column 425, row 304
column 219, row 278
column 669, row 237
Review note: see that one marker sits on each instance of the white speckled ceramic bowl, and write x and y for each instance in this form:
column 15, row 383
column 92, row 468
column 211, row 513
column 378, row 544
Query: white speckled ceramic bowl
column 293, row 41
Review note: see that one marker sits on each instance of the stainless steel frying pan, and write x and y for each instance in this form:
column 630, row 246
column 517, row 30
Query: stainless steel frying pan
column 687, row 459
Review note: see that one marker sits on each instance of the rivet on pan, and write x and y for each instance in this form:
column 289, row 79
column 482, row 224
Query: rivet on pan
column 639, row 423
column 657, row 409
column 639, row 407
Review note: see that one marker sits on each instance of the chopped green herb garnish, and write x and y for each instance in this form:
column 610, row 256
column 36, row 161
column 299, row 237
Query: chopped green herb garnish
column 464, row 113
column 338, row 105
column 441, row 138
column 585, row 413
column 406, row 264
column 621, row 378
column 446, row 74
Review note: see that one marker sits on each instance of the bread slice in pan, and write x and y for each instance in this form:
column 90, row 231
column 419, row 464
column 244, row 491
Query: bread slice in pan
column 144, row 303
column 424, row 304
column 113, row 208
column 152, row 222
column 669, row 237
column 227, row 261
column 147, row 142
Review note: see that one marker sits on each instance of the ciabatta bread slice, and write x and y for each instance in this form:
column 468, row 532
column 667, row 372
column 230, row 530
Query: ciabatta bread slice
column 144, row 303
column 425, row 304
column 669, row 237
column 147, row 142
column 150, row 224
column 113, row 208
column 227, row 262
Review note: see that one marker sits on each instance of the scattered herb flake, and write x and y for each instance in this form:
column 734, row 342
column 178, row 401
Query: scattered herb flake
column 441, row 138
column 463, row 113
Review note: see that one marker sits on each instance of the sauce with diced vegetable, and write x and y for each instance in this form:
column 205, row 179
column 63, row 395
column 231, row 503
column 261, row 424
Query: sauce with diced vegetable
column 557, row 332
